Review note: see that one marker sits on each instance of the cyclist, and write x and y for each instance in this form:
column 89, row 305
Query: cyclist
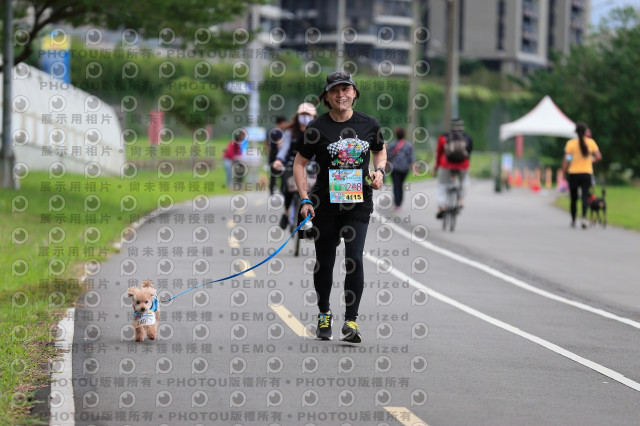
column 287, row 153
column 345, row 143
column 452, row 154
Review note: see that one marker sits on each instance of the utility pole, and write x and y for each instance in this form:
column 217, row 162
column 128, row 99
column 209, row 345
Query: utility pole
column 7, row 156
column 412, row 113
column 342, row 11
column 451, row 96
column 255, row 70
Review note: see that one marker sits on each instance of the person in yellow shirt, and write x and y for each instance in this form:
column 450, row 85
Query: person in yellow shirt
column 579, row 155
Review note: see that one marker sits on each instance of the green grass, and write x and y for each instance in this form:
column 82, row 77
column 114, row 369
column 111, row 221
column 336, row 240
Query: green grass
column 177, row 149
column 32, row 299
column 623, row 205
column 481, row 164
column 479, row 167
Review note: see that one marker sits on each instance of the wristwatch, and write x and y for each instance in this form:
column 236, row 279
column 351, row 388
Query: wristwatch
column 380, row 169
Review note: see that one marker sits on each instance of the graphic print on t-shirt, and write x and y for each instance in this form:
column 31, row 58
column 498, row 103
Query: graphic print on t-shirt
column 348, row 153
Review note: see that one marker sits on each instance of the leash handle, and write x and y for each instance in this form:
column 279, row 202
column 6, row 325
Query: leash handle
column 306, row 219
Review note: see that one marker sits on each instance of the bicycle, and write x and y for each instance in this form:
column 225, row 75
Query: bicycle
column 452, row 206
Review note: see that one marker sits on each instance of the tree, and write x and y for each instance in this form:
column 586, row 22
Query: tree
column 189, row 101
column 191, row 23
column 596, row 83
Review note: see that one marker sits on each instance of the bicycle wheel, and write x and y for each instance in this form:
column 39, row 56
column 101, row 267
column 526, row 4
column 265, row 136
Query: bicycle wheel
column 446, row 217
column 454, row 209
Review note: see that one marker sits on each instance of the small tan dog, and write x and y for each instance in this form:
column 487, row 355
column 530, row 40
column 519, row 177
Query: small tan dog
column 145, row 310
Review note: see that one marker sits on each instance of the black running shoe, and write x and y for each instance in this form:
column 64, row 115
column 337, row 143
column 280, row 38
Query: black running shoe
column 350, row 333
column 323, row 332
column 284, row 221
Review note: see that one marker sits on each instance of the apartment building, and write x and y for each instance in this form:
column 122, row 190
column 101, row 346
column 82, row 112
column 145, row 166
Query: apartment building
column 374, row 30
column 511, row 36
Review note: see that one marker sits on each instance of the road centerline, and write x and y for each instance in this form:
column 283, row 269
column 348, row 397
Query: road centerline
column 291, row 320
column 405, row 416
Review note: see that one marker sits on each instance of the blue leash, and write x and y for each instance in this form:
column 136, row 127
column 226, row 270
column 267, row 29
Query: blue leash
column 246, row 270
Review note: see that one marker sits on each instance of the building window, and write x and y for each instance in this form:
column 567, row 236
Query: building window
column 529, row 26
column 399, row 32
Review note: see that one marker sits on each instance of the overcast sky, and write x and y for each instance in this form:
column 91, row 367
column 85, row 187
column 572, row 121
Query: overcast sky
column 600, row 8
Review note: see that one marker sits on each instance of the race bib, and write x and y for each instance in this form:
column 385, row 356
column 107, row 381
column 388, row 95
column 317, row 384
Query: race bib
column 345, row 186
column 148, row 318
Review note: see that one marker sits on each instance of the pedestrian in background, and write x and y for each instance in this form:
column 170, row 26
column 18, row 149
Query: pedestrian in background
column 579, row 155
column 345, row 143
column 400, row 161
column 283, row 163
column 232, row 154
column 272, row 145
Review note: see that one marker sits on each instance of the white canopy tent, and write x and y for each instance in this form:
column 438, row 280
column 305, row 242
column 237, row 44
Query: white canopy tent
column 544, row 119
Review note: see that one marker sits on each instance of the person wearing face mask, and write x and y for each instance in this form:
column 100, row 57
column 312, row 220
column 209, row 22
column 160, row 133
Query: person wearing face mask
column 284, row 160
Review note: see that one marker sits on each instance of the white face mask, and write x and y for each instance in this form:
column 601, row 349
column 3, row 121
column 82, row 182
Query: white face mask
column 304, row 119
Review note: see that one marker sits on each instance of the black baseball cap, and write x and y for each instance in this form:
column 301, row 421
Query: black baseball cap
column 335, row 78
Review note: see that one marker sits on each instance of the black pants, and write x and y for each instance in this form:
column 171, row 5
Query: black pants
column 398, row 181
column 272, row 183
column 273, row 175
column 582, row 181
column 284, row 187
column 328, row 231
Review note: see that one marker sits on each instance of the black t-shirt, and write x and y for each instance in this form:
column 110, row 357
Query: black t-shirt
column 341, row 145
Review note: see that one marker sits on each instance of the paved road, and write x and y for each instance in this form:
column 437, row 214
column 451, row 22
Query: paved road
column 513, row 319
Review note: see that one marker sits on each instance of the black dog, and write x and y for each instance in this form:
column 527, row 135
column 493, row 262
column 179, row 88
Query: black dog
column 598, row 210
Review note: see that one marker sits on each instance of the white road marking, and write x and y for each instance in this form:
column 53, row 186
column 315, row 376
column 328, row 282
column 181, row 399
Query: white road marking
column 63, row 413
column 510, row 328
column 512, row 280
